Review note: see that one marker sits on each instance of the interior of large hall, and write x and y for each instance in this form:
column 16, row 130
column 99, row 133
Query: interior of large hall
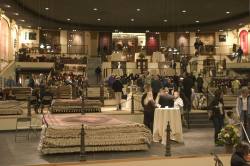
column 124, row 82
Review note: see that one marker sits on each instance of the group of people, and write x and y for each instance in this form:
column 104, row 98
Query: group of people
column 218, row 114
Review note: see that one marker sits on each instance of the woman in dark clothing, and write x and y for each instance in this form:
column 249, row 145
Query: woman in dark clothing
column 217, row 114
column 149, row 106
column 240, row 155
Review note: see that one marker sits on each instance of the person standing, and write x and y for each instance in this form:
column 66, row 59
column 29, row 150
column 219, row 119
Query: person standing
column 164, row 99
column 10, row 82
column 217, row 114
column 117, row 87
column 187, row 90
column 156, row 85
column 243, row 108
column 98, row 72
column 149, row 106
column 199, row 83
column 240, row 53
column 235, row 86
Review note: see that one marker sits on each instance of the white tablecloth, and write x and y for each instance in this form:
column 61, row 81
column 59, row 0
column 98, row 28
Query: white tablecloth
column 161, row 118
column 158, row 57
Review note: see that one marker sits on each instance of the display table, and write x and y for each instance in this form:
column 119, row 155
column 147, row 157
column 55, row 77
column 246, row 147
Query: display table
column 158, row 57
column 161, row 117
column 117, row 57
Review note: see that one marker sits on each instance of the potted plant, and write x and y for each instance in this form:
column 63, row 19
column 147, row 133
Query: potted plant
column 229, row 136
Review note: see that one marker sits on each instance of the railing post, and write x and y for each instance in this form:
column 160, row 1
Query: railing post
column 102, row 93
column 132, row 104
column 168, row 140
column 29, row 106
column 83, row 110
column 82, row 145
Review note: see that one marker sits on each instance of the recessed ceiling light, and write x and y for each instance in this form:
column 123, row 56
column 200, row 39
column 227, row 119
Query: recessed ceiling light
column 22, row 20
column 187, row 32
column 184, row 11
column 116, row 30
column 132, row 19
column 68, row 19
column 165, row 20
column 29, row 26
column 228, row 12
column 221, row 30
column 16, row 14
column 138, row 9
column 59, row 28
column 198, row 30
column 8, row 6
column 39, row 27
column 74, row 30
column 197, row 21
column 46, row 8
column 95, row 9
column 147, row 30
column 99, row 19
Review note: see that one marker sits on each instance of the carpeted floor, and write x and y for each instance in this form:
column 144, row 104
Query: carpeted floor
column 197, row 142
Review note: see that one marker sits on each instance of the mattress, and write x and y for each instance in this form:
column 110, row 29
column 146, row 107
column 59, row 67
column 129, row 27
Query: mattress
column 103, row 133
column 75, row 106
column 10, row 107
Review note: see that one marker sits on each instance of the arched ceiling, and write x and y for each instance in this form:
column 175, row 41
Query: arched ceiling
column 153, row 15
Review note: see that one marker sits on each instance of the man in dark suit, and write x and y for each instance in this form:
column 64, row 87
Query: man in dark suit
column 165, row 99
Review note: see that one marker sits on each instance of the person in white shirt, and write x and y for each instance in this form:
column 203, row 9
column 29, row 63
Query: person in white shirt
column 178, row 102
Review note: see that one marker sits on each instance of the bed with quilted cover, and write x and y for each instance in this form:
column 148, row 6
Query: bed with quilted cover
column 61, row 134
column 75, row 106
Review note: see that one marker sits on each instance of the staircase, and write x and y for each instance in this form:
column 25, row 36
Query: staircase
column 199, row 120
column 93, row 63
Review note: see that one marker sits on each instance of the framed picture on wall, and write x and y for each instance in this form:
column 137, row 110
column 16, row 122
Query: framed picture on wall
column 222, row 38
column 32, row 36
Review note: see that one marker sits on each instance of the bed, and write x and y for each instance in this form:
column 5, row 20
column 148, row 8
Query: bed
column 103, row 133
column 75, row 106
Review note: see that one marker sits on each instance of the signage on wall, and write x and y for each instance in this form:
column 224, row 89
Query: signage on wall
column 222, row 38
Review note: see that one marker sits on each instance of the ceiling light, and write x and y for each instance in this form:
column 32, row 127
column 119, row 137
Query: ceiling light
column 138, row 9
column 39, row 27
column 116, row 30
column 95, row 9
column 68, row 19
column 228, row 12
column 29, row 26
column 16, row 14
column 22, row 20
column 197, row 21
column 147, row 30
column 132, row 19
column 99, row 19
column 165, row 20
column 229, row 29
column 184, row 11
column 46, row 8
column 187, row 32
column 240, row 24
column 59, row 28
column 8, row 6
column 198, row 30
column 221, row 30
